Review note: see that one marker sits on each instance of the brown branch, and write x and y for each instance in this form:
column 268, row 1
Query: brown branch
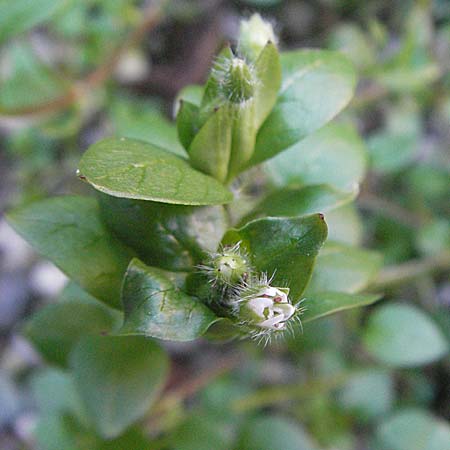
column 152, row 16
column 368, row 94
column 382, row 206
column 403, row 273
column 173, row 398
column 194, row 384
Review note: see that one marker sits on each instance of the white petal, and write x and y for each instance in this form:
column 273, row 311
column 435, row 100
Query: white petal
column 271, row 291
column 259, row 304
column 285, row 309
column 270, row 323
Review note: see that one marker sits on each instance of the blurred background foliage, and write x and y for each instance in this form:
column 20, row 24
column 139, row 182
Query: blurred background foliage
column 73, row 72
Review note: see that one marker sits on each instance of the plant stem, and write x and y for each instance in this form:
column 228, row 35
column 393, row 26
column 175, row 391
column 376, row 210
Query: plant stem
column 174, row 398
column 395, row 275
column 382, row 206
column 272, row 395
column 370, row 94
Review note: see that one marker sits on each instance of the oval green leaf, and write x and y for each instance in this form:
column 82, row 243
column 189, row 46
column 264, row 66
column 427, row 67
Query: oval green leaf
column 413, row 429
column 325, row 303
column 55, row 329
column 316, row 85
column 187, row 122
column 172, row 237
column 138, row 118
column 273, row 433
column 155, row 307
column 291, row 202
column 134, row 169
column 21, row 15
column 118, row 379
column 284, row 248
column 404, row 336
column 344, row 268
column 368, row 393
column 335, row 155
column 68, row 231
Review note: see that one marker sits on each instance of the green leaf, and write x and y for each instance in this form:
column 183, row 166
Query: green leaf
column 226, row 139
column 343, row 268
column 368, row 393
column 403, row 336
column 29, row 82
column 133, row 438
column 396, row 145
column 55, row 329
column 316, row 85
column 134, row 169
column 391, row 152
column 413, row 429
column 210, row 149
column 173, row 237
column 413, row 66
column 354, row 43
column 345, row 225
column 244, row 128
column 155, row 307
column 268, row 71
column 57, row 431
column 62, row 431
column 135, row 118
column 72, row 292
column 191, row 93
column 335, row 155
column 187, row 122
column 21, row 15
column 213, row 88
column 68, row 231
column 290, row 202
column 325, row 303
column 54, row 393
column 248, row 116
column 118, row 379
column 199, row 430
column 283, row 247
column 273, row 433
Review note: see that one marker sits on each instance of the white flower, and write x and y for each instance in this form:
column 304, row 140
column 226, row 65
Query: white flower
column 270, row 308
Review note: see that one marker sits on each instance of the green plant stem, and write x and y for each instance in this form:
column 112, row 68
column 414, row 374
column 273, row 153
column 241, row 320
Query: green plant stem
column 273, row 395
column 393, row 276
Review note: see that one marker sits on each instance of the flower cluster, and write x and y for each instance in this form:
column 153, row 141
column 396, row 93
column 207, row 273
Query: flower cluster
column 259, row 309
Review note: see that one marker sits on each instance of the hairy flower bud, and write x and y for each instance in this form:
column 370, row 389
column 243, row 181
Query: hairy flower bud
column 228, row 267
column 269, row 308
column 238, row 84
column 254, row 35
column 220, row 133
column 262, row 310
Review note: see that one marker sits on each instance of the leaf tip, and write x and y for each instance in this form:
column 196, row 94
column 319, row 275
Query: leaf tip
column 80, row 175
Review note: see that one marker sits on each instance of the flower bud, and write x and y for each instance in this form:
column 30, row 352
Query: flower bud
column 268, row 309
column 254, row 35
column 238, row 84
column 228, row 267
column 220, row 133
